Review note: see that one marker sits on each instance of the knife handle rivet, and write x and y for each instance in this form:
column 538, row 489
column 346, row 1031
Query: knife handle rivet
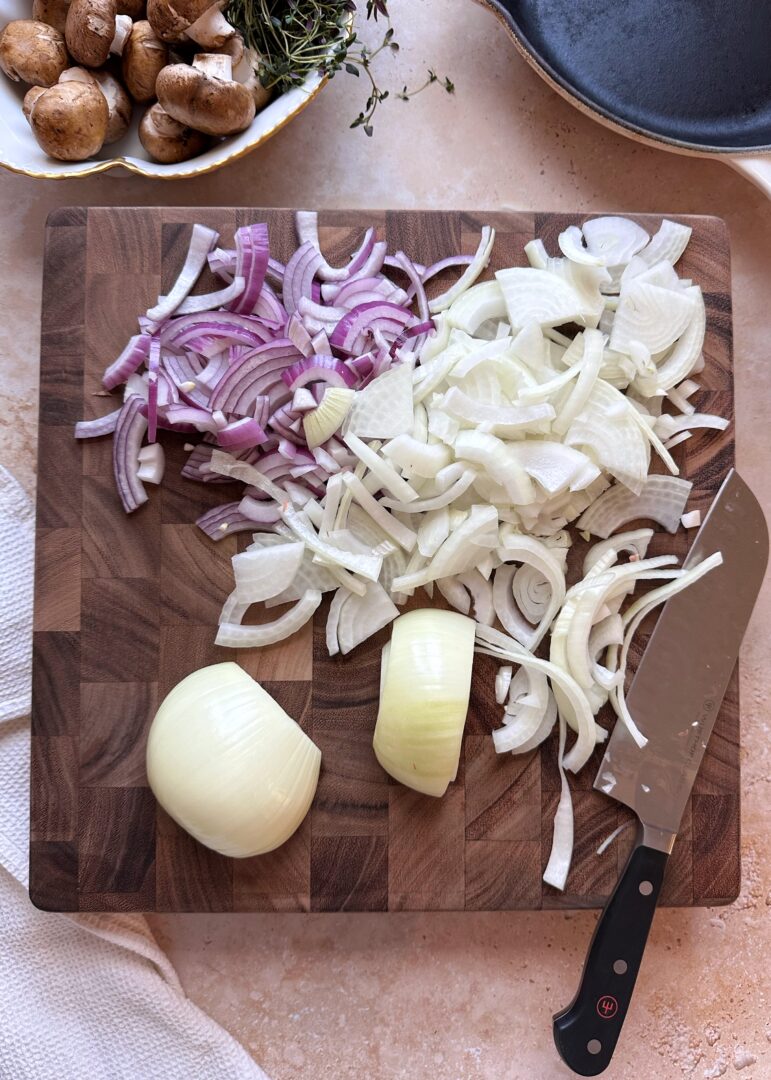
column 646, row 888
column 594, row 1046
column 620, row 966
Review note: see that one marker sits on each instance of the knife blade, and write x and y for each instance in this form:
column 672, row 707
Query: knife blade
column 674, row 698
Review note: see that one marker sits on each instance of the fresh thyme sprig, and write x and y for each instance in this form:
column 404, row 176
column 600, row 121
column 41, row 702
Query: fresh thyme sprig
column 296, row 37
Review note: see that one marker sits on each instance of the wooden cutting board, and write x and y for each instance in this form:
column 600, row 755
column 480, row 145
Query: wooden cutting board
column 125, row 607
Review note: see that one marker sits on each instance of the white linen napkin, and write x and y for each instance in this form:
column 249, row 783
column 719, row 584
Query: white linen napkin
column 84, row 997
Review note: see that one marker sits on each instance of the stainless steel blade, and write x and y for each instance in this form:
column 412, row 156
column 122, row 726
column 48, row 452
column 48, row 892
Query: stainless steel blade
column 682, row 677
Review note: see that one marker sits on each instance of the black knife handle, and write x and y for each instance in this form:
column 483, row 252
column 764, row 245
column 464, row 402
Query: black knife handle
column 586, row 1031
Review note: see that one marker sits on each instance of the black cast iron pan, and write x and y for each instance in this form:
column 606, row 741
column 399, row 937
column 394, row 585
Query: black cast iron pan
column 692, row 76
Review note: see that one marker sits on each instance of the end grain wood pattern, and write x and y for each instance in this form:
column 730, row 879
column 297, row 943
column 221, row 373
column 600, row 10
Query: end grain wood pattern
column 126, row 607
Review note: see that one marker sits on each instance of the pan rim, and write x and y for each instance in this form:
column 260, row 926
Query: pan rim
column 598, row 112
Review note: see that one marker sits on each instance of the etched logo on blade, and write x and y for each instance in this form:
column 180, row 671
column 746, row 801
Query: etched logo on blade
column 695, row 736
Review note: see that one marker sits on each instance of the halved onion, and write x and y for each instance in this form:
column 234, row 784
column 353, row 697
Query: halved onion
column 426, row 683
column 229, row 765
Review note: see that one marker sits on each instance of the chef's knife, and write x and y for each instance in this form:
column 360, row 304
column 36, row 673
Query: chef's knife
column 674, row 699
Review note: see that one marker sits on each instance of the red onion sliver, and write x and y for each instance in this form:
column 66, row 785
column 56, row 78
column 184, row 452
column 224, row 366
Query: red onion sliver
column 318, row 369
column 103, row 425
column 252, row 254
column 241, row 434
column 129, row 361
column 252, row 376
column 129, row 432
column 230, row 516
column 153, row 364
column 352, row 332
column 298, row 277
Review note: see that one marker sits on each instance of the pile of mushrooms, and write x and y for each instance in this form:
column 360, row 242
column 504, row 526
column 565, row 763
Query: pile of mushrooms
column 88, row 61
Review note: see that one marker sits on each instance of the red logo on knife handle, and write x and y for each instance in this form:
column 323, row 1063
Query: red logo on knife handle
column 607, row 1007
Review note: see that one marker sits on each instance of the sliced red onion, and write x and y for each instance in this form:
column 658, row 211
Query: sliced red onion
column 374, row 263
column 307, row 223
column 286, row 425
column 262, row 409
column 392, row 264
column 222, row 262
column 168, row 391
column 418, row 331
column 129, row 432
column 349, row 294
column 178, row 416
column 298, row 335
column 252, row 376
column 452, row 262
column 252, row 254
column 202, row 241
column 153, row 364
column 298, row 277
column 353, row 332
column 211, row 300
column 321, row 346
column 303, row 400
column 214, row 328
column 321, row 315
column 259, row 513
column 276, row 271
column 287, row 449
column 416, row 284
column 217, row 366
column 270, row 309
column 318, row 369
column 241, row 434
column 103, row 425
column 182, row 367
column 221, row 521
column 129, row 361
column 362, row 365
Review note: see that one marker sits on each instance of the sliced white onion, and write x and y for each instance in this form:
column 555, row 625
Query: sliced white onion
column 235, row 636
column 362, row 616
column 661, row 499
column 651, row 315
column 539, row 296
column 470, row 274
column 615, row 239
column 262, row 574
column 384, row 409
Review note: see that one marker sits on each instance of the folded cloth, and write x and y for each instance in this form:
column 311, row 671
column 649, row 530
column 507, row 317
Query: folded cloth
column 84, row 997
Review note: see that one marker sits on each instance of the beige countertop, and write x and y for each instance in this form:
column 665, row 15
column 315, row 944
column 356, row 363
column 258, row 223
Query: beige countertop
column 456, row 996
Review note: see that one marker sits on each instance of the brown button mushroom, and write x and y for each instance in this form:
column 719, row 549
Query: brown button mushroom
column 118, row 102
column 168, row 141
column 52, row 12
column 119, row 106
column 216, row 106
column 70, row 120
column 94, row 30
column 30, row 98
column 200, row 20
column 144, row 56
column 32, row 52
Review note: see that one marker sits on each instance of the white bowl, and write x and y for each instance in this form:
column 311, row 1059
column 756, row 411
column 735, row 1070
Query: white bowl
column 19, row 150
